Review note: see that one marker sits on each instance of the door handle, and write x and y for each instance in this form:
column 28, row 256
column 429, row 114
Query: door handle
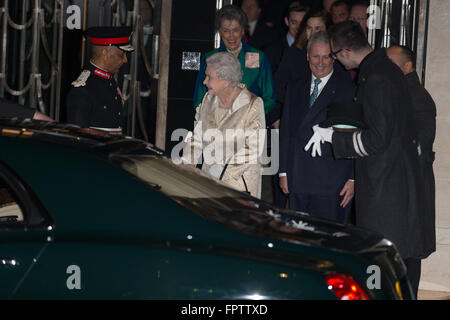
column 8, row 262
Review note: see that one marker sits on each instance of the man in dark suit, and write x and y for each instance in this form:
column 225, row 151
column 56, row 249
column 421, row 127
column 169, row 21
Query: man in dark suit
column 321, row 187
column 387, row 185
column 293, row 18
column 258, row 35
column 424, row 119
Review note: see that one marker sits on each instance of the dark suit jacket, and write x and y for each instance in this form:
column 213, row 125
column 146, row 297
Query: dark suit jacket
column 262, row 37
column 307, row 175
column 276, row 51
column 293, row 66
column 10, row 109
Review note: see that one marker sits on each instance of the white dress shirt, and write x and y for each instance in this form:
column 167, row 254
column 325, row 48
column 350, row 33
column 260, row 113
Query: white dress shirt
column 290, row 39
column 321, row 85
column 252, row 27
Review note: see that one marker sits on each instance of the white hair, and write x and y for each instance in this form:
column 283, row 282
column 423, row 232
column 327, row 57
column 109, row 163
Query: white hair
column 227, row 67
column 321, row 37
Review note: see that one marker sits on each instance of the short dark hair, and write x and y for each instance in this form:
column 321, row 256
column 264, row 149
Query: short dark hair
column 296, row 7
column 408, row 55
column 348, row 35
column 340, row 3
column 230, row 12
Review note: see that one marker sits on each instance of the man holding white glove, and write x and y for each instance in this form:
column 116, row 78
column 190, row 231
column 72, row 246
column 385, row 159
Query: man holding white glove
column 388, row 183
column 321, row 186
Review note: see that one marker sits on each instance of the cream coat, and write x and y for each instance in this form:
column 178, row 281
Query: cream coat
column 242, row 129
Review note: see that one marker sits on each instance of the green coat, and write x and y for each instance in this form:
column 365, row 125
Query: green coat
column 258, row 80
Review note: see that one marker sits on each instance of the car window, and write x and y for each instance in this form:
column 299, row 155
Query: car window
column 181, row 181
column 19, row 205
column 10, row 210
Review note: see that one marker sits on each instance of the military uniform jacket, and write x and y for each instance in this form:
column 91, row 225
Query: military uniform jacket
column 388, row 189
column 95, row 100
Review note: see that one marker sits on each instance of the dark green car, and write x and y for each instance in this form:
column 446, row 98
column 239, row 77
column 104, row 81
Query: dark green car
column 84, row 215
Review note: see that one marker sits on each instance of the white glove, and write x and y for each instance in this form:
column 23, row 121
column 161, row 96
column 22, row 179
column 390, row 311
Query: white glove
column 315, row 142
column 320, row 136
column 325, row 133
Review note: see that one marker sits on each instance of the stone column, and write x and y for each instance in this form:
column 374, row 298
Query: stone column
column 436, row 268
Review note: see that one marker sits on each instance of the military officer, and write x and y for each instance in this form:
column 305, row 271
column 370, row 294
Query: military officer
column 95, row 100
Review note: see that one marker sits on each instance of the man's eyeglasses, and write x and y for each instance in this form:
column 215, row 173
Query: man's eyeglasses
column 333, row 54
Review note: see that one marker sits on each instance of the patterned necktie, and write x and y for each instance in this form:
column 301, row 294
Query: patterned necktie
column 315, row 92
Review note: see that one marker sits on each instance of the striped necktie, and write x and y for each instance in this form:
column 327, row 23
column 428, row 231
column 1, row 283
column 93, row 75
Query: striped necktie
column 315, row 92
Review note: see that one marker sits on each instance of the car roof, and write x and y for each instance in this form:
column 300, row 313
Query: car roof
column 66, row 134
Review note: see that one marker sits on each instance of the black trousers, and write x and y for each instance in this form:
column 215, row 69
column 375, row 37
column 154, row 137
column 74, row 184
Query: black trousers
column 414, row 267
column 327, row 206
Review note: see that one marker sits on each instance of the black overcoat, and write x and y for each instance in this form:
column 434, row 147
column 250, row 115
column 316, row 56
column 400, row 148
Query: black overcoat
column 424, row 117
column 387, row 186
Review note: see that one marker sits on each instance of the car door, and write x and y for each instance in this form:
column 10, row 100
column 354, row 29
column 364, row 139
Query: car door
column 25, row 231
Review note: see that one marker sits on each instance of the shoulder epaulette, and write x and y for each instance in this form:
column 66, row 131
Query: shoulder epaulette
column 82, row 78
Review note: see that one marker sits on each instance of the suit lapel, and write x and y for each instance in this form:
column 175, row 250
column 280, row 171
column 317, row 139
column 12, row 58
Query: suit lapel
column 322, row 100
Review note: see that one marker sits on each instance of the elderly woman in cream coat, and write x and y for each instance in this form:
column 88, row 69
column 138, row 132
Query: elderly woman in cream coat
column 230, row 127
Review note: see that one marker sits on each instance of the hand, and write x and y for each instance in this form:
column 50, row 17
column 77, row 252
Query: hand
column 276, row 124
column 40, row 116
column 284, row 184
column 320, row 136
column 347, row 191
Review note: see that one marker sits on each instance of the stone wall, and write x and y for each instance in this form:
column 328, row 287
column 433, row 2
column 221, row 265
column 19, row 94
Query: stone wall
column 436, row 268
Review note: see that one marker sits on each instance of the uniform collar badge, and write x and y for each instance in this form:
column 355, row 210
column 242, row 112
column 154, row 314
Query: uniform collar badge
column 102, row 73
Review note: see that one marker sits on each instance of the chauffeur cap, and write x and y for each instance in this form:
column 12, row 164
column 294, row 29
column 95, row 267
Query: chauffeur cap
column 111, row 36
